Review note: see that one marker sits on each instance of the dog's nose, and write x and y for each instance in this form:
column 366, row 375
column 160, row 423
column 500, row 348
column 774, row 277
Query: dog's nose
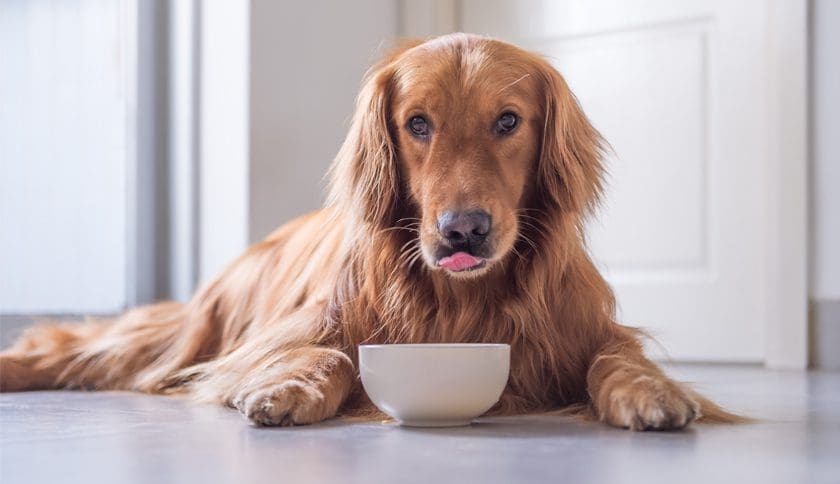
column 464, row 229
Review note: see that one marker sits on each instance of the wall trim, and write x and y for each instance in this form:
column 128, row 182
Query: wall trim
column 824, row 334
column 787, row 254
column 146, row 39
column 184, row 51
column 223, row 127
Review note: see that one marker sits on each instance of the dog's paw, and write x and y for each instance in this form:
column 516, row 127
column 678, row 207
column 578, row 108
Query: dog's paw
column 290, row 402
column 648, row 403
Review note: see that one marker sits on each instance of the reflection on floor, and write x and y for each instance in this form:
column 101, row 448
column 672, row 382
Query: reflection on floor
column 120, row 437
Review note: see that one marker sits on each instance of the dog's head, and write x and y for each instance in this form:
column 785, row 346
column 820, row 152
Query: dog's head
column 470, row 144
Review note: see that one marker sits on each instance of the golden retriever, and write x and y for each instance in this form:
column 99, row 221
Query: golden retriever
column 455, row 214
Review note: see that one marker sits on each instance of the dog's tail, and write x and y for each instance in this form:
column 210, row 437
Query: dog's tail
column 135, row 351
column 148, row 348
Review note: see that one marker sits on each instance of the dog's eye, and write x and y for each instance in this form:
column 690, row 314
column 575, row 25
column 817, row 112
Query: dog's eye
column 506, row 123
column 418, row 126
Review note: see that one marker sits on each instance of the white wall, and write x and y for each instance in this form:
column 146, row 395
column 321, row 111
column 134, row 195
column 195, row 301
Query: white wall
column 279, row 82
column 307, row 61
column 825, row 173
column 277, row 90
column 224, row 151
column 63, row 156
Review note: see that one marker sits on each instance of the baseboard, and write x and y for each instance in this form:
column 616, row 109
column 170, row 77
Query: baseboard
column 12, row 325
column 824, row 334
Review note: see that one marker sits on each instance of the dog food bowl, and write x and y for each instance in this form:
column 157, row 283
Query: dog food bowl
column 434, row 385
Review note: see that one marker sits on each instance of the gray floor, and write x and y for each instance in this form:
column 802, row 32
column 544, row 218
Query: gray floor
column 124, row 438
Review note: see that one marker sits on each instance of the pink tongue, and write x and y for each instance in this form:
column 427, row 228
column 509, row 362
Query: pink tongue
column 459, row 261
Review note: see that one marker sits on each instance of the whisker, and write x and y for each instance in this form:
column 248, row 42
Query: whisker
column 517, row 253
column 409, row 218
column 527, row 240
column 409, row 229
column 539, row 231
column 403, row 248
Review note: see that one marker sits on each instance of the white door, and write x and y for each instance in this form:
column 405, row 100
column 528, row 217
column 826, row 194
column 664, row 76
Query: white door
column 683, row 91
column 66, row 171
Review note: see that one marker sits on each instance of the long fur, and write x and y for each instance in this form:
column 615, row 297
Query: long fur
column 276, row 334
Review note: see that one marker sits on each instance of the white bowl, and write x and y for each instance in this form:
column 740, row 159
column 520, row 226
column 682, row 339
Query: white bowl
column 434, row 385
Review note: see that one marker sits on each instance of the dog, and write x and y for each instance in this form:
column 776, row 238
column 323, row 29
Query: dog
column 455, row 213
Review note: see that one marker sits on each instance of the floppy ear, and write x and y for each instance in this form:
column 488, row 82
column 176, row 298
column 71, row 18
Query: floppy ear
column 364, row 175
column 571, row 169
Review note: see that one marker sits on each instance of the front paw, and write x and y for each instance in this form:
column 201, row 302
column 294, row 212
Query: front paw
column 647, row 403
column 290, row 402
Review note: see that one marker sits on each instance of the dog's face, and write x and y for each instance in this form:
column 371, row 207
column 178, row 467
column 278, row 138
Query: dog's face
column 462, row 136
column 468, row 134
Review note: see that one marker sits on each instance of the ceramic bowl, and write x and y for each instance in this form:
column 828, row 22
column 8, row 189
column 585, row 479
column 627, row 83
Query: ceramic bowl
column 434, row 385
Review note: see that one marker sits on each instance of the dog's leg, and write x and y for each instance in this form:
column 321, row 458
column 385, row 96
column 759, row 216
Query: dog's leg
column 629, row 391
column 308, row 386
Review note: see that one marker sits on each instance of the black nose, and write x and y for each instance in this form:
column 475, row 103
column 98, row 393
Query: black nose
column 464, row 229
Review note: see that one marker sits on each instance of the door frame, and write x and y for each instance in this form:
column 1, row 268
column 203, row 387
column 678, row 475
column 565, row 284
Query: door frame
column 208, row 173
column 787, row 238
column 786, row 327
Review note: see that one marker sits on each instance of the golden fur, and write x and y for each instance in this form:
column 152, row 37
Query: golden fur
column 275, row 335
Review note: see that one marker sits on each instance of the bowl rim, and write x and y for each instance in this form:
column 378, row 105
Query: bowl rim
column 436, row 345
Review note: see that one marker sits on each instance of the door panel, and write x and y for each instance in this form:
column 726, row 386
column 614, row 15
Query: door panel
column 679, row 91
column 63, row 157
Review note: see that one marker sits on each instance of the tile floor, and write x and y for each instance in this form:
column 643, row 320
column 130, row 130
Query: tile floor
column 70, row 437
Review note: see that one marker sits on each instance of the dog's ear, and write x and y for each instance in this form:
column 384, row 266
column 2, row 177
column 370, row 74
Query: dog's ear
column 571, row 171
column 365, row 175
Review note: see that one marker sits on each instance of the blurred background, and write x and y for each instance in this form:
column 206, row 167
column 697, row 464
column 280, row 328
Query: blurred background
column 144, row 144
